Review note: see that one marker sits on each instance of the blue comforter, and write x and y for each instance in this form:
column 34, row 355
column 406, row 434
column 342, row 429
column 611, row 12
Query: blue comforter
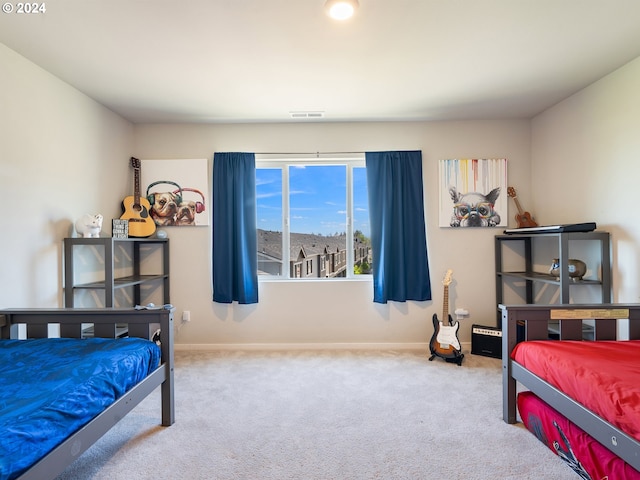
column 50, row 388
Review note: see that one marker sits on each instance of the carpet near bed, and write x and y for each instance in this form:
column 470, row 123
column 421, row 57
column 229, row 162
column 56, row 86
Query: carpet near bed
column 320, row 415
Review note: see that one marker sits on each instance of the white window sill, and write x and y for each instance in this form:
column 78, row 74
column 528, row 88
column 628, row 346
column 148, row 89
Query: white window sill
column 271, row 279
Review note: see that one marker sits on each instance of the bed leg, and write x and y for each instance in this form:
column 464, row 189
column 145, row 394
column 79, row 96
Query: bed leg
column 168, row 410
column 509, row 339
column 508, row 398
column 167, row 388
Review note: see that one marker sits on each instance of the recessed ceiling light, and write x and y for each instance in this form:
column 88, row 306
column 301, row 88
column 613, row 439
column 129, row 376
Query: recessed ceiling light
column 341, row 9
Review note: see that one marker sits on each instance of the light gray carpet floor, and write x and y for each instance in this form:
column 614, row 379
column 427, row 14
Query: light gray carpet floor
column 322, row 415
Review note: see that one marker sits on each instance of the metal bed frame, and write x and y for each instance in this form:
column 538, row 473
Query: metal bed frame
column 107, row 323
column 531, row 322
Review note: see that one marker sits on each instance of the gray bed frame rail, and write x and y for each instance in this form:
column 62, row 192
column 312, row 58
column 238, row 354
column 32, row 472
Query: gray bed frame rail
column 107, row 323
column 534, row 325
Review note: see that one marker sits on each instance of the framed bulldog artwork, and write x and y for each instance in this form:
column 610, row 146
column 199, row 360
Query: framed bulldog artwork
column 473, row 192
column 177, row 191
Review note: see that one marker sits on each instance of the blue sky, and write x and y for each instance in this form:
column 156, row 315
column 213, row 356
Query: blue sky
column 317, row 199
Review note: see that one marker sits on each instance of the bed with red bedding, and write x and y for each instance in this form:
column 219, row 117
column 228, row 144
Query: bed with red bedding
column 582, row 399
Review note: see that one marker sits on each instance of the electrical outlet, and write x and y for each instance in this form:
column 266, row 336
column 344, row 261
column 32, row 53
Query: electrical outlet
column 186, row 316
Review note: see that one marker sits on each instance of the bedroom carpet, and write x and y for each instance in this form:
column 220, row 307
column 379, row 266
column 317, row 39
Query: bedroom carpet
column 323, row 415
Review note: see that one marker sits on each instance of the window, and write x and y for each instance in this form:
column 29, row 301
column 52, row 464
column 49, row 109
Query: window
column 312, row 211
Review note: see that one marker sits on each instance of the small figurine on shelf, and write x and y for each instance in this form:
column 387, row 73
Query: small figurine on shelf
column 577, row 269
column 89, row 225
column 120, row 228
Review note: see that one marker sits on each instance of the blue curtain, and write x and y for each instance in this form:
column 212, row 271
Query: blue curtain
column 398, row 236
column 235, row 257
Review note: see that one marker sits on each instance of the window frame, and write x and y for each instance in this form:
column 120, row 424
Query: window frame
column 283, row 162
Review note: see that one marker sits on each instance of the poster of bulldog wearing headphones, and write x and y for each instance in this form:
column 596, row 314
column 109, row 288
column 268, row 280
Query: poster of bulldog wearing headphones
column 472, row 192
column 176, row 191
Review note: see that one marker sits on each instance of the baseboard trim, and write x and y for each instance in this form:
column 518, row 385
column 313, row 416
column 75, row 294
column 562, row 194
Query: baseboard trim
column 189, row 347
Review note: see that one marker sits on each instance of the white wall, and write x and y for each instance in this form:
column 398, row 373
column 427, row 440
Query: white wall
column 586, row 165
column 334, row 312
column 61, row 155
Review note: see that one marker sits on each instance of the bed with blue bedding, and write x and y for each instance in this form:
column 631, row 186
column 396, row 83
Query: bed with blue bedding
column 59, row 395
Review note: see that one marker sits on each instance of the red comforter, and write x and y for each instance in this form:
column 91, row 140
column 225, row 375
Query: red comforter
column 604, row 376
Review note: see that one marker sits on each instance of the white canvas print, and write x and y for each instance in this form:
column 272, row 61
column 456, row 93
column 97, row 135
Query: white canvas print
column 177, row 191
column 473, row 192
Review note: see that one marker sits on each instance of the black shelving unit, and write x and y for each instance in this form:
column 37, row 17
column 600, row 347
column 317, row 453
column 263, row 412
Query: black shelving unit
column 564, row 282
column 110, row 283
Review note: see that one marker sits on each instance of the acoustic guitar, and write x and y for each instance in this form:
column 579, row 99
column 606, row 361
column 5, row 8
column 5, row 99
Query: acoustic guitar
column 444, row 342
column 136, row 209
column 524, row 219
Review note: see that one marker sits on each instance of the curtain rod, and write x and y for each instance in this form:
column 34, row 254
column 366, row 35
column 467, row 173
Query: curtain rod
column 317, row 154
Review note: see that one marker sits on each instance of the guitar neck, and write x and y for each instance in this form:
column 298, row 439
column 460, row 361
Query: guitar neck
column 136, row 187
column 445, row 306
column 520, row 211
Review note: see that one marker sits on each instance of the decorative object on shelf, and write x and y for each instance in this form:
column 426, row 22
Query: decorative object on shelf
column 560, row 228
column 161, row 234
column 523, row 219
column 89, row 225
column 470, row 192
column 119, row 228
column 136, row 209
column 577, row 269
column 444, row 342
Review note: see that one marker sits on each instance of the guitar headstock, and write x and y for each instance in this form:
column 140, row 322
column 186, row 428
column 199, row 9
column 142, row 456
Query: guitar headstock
column 135, row 163
column 446, row 281
column 511, row 192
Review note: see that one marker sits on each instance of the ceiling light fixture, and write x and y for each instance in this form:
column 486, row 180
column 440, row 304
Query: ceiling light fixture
column 341, row 9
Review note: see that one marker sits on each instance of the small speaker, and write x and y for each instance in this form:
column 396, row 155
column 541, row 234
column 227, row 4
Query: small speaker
column 486, row 341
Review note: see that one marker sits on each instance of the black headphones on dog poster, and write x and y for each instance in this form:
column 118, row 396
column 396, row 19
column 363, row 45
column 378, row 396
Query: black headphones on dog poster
column 473, row 192
column 176, row 191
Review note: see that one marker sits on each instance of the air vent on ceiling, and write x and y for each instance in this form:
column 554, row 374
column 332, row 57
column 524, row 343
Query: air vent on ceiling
column 306, row 114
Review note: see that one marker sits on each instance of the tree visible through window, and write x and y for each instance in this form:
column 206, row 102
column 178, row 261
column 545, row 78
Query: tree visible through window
column 312, row 214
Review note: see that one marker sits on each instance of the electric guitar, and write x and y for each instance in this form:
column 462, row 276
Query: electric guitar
column 136, row 209
column 524, row 219
column 444, row 342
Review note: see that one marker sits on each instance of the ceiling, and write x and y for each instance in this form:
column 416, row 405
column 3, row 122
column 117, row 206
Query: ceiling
column 159, row 61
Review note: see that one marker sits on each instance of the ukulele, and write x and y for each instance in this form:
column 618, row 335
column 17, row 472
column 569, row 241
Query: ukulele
column 136, row 209
column 444, row 342
column 524, row 219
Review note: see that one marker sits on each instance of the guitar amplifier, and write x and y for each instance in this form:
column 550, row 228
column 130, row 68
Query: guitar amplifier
column 486, row 341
